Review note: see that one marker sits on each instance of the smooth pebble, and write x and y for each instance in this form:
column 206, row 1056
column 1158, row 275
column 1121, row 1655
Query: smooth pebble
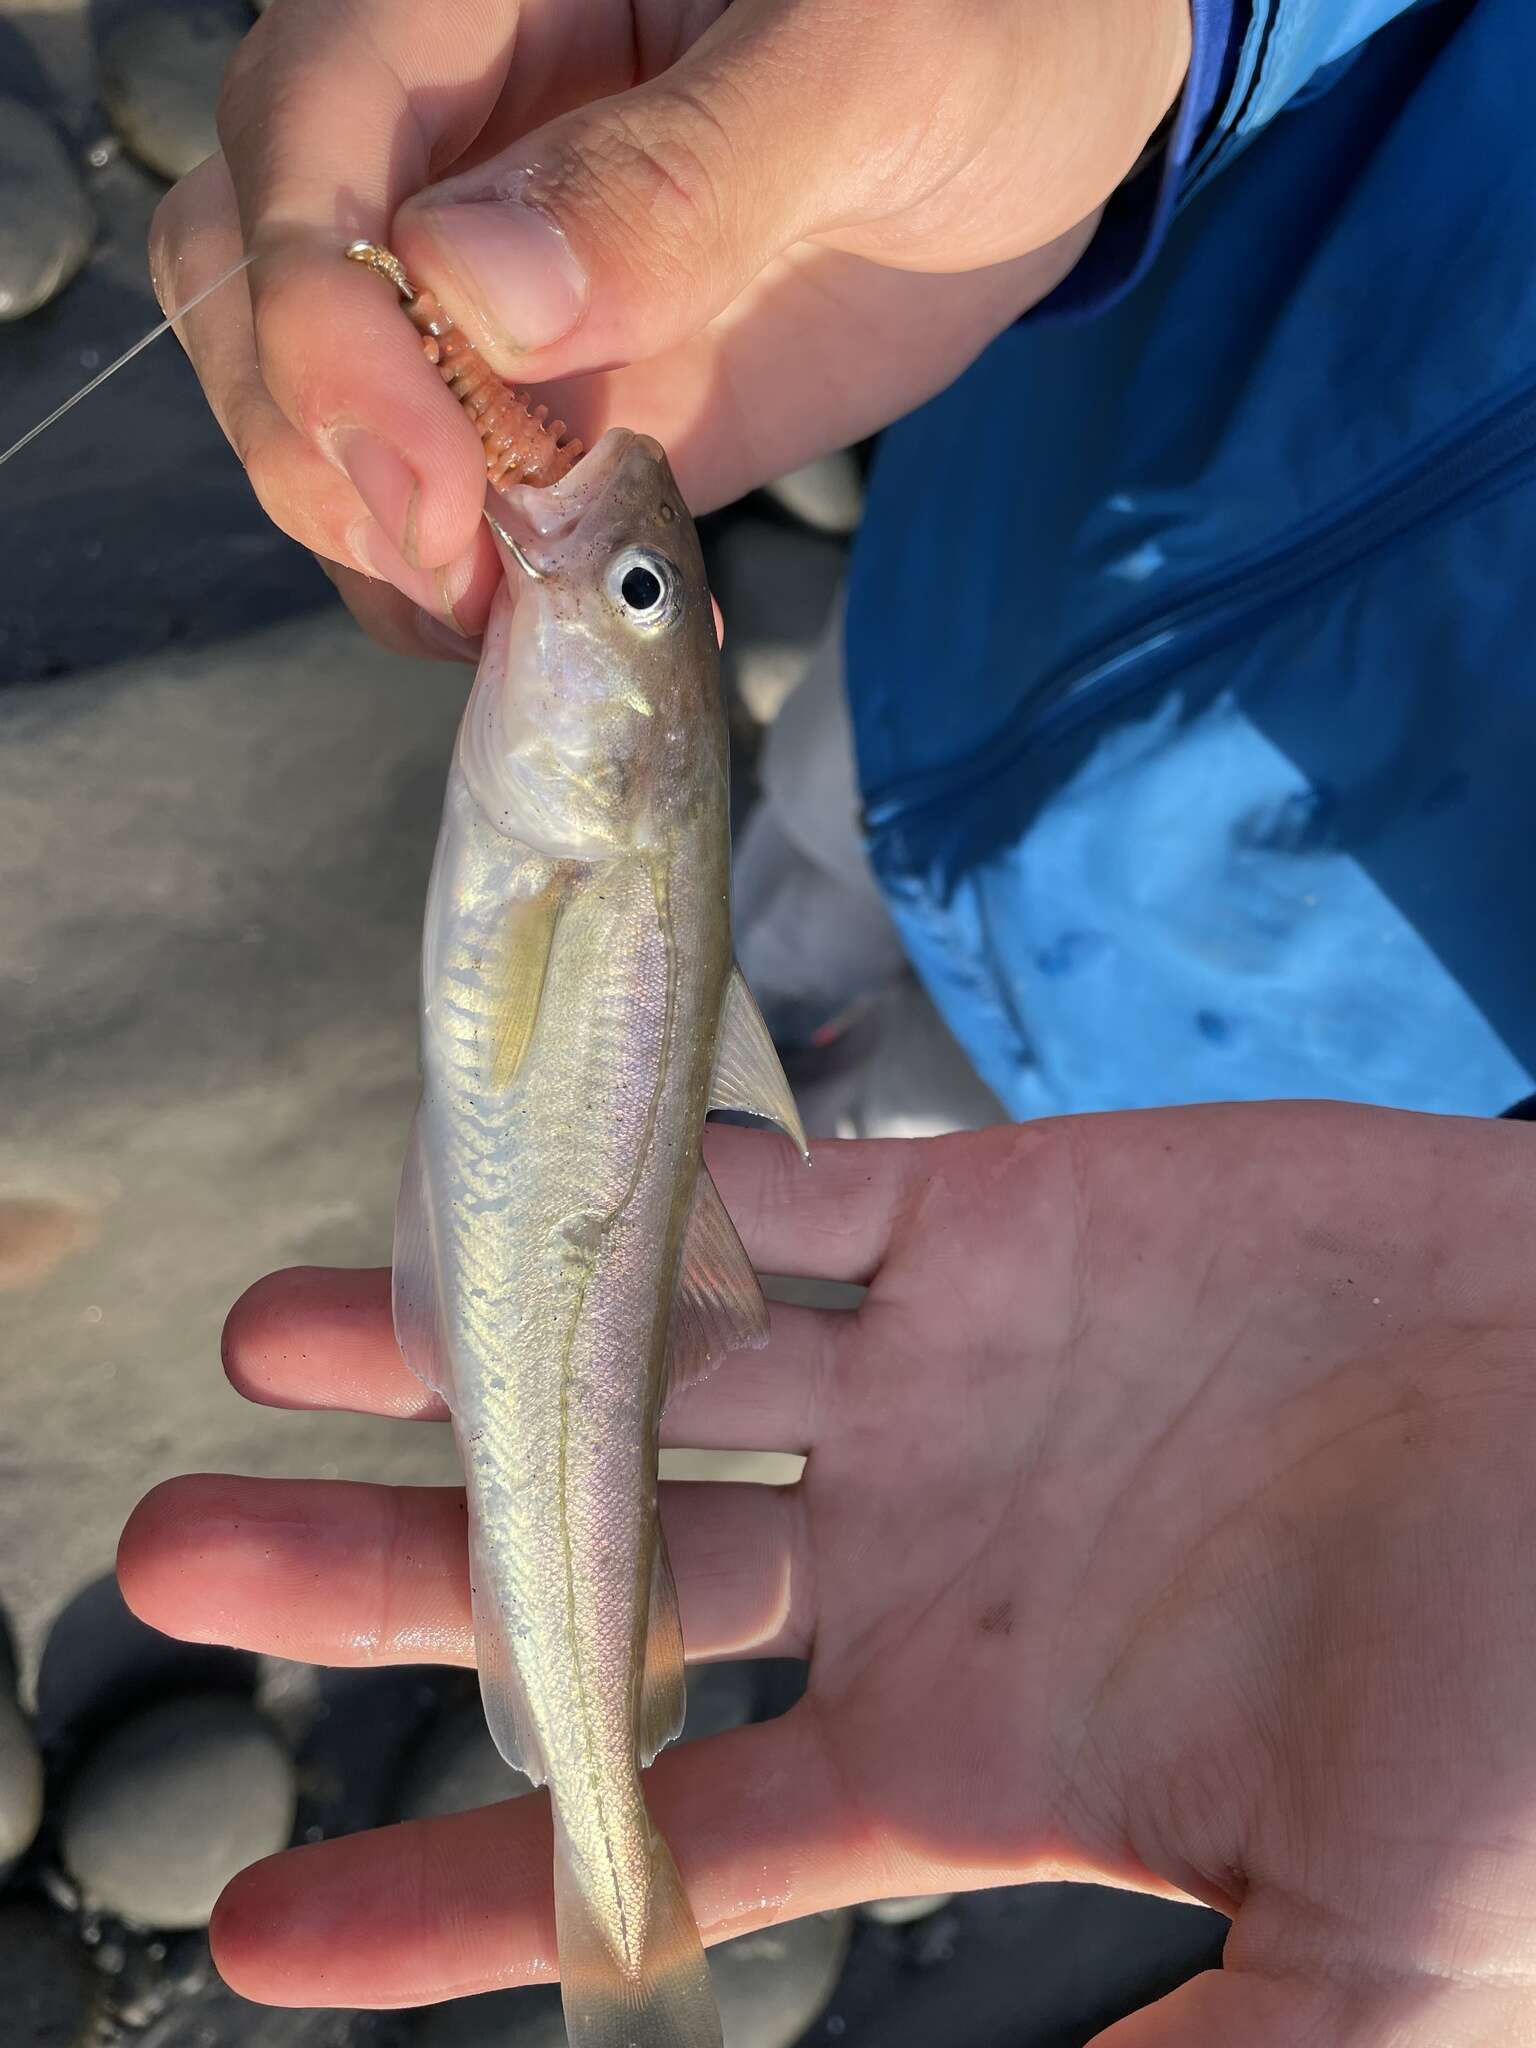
column 47, row 225
column 21, row 1768
column 902, row 1912
column 776, row 589
column 161, row 69
column 455, row 1768
column 827, row 493
column 172, row 1804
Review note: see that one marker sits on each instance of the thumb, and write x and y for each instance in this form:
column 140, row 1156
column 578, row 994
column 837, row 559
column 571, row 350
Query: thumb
column 621, row 228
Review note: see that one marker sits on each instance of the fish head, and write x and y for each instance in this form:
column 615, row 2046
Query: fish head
column 597, row 720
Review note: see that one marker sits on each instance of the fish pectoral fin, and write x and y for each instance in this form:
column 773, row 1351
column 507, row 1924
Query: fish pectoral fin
column 664, row 1692
column 414, row 1289
column 521, row 965
column 749, row 1075
column 502, row 1693
column 719, row 1306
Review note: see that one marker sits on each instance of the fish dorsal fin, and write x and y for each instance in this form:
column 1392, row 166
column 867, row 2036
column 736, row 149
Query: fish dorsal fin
column 748, row 1072
column 664, row 1693
column 719, row 1307
column 418, row 1318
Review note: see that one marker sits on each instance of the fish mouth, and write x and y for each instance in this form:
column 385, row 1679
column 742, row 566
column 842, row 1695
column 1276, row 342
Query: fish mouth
column 528, row 521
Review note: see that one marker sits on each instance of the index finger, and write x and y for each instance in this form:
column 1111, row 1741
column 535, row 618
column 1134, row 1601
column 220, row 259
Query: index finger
column 327, row 123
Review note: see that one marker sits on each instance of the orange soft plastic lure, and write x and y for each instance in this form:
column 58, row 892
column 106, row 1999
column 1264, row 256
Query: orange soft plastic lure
column 523, row 445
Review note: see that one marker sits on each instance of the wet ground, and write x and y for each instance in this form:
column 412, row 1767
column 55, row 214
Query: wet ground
column 217, row 806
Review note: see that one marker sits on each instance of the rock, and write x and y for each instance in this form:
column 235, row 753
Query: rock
column 21, row 1768
column 720, row 1696
column 101, row 1664
column 47, row 1992
column 527, row 2018
column 160, row 74
column 772, row 1984
column 776, row 590
column 46, row 222
column 21, row 1785
column 827, row 493
column 172, row 1804
column 455, row 1768
column 902, row 1912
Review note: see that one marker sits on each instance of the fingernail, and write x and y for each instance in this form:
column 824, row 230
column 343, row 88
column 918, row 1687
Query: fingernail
column 513, row 266
column 384, row 481
column 373, row 552
column 434, row 590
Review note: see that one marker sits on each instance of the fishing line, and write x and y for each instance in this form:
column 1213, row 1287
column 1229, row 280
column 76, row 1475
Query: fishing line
column 122, row 361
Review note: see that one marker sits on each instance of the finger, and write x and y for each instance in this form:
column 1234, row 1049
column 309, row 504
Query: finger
column 196, row 237
column 759, row 1821
column 326, row 127
column 831, row 1220
column 732, row 416
column 388, row 616
column 322, row 1337
column 337, row 1573
column 622, row 228
column 625, row 225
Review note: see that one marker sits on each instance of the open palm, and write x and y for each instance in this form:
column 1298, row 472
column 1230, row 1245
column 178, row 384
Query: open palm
column 1167, row 1521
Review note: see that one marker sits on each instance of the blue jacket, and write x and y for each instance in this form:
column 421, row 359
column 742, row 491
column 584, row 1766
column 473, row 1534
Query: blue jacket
column 1196, row 719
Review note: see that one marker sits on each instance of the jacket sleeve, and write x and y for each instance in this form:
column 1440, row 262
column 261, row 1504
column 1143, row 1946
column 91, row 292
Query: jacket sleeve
column 1248, row 60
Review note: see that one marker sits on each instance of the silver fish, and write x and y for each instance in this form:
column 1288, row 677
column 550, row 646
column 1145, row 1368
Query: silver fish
column 563, row 1260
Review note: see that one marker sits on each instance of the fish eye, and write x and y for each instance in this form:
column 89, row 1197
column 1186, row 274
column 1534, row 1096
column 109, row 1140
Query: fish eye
column 644, row 586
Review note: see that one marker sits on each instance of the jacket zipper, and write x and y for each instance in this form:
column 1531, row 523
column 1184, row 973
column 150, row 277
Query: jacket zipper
column 1466, row 469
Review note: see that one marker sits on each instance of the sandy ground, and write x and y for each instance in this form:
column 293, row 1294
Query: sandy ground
column 212, row 876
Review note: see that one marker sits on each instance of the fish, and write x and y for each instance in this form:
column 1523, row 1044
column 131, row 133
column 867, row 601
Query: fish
column 563, row 1259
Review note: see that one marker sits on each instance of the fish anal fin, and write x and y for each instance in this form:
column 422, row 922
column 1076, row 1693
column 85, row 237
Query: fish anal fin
column 664, row 1692
column 521, row 965
column 719, row 1306
column 749, row 1075
column 414, row 1287
column 502, row 1692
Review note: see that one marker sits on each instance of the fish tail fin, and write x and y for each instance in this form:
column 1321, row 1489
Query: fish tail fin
column 665, row 1999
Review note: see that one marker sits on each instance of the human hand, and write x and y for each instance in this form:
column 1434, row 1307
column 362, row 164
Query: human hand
column 1167, row 1522
column 756, row 233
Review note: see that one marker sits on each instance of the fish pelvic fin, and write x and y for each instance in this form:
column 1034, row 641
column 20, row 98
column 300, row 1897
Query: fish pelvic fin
column 663, row 1998
column 718, row 1307
column 414, row 1288
column 663, row 1689
column 502, row 1693
column 749, row 1076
